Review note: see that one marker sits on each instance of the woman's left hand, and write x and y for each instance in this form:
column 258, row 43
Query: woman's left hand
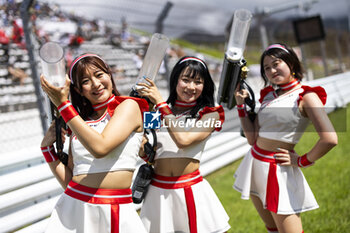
column 57, row 95
column 50, row 135
column 286, row 157
column 150, row 91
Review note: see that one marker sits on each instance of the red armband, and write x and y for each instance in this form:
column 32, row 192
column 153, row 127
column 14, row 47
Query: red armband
column 67, row 111
column 242, row 111
column 164, row 109
column 49, row 153
column 304, row 162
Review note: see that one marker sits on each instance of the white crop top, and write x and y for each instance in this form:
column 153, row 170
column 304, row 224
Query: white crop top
column 279, row 116
column 167, row 148
column 124, row 157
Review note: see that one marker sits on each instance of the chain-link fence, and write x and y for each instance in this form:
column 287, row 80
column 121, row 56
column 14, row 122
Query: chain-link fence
column 20, row 129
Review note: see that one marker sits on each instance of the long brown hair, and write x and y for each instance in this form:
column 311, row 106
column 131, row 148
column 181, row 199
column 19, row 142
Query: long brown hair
column 80, row 103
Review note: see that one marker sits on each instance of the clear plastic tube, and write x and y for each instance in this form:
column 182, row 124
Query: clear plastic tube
column 52, row 63
column 153, row 58
column 238, row 34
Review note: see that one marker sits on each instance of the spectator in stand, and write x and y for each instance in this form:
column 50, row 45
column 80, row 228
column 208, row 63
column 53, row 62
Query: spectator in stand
column 17, row 33
column 76, row 40
column 138, row 58
column 4, row 42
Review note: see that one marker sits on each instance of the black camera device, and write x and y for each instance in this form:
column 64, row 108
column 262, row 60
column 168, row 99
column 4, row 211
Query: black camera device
column 145, row 172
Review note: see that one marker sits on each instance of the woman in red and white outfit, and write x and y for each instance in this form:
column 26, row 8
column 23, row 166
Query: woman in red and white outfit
column 179, row 199
column 270, row 172
column 107, row 132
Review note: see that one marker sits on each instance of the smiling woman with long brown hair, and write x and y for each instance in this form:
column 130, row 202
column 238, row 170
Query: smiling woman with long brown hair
column 107, row 131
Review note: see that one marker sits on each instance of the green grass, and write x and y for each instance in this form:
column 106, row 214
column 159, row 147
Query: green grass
column 329, row 180
column 199, row 48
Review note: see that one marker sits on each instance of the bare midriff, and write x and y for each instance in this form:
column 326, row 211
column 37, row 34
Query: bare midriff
column 272, row 145
column 175, row 166
column 106, row 180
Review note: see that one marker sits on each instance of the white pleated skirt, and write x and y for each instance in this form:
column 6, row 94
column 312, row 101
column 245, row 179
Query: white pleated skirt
column 183, row 204
column 87, row 210
column 281, row 189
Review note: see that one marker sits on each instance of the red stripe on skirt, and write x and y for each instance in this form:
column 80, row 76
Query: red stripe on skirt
column 114, row 218
column 272, row 187
column 114, row 197
column 185, row 182
column 191, row 209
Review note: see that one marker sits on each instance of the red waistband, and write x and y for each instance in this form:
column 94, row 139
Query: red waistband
column 263, row 155
column 175, row 182
column 98, row 196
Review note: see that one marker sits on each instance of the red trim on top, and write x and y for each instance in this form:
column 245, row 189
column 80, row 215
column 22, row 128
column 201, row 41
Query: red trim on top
column 183, row 104
column 143, row 105
column 290, row 85
column 97, row 120
column 104, row 104
column 218, row 109
column 320, row 91
column 264, row 92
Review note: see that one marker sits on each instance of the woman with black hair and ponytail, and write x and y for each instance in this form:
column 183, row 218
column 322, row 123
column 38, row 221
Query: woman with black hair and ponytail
column 270, row 173
column 107, row 132
column 179, row 199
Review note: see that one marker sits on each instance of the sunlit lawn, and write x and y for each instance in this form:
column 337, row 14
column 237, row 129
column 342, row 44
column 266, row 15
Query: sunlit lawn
column 329, row 180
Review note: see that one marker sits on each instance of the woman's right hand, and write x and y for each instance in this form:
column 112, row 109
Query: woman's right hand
column 57, row 95
column 240, row 95
column 50, row 136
